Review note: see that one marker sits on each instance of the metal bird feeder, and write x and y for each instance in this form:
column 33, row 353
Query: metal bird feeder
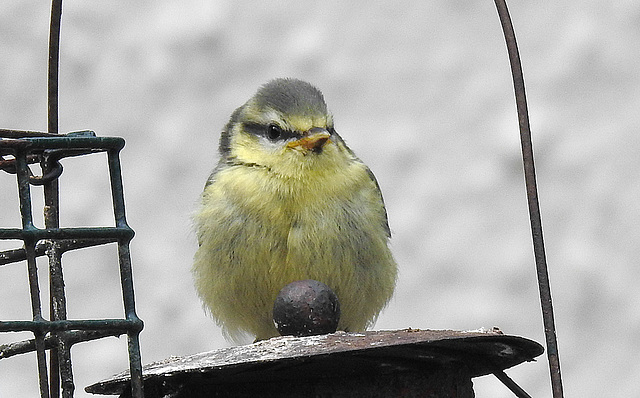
column 377, row 363
column 401, row 363
column 414, row 363
column 55, row 332
column 18, row 149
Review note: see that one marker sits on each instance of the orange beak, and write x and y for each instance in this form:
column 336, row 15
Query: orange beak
column 313, row 140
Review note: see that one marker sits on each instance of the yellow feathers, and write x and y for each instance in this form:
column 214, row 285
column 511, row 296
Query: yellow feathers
column 272, row 214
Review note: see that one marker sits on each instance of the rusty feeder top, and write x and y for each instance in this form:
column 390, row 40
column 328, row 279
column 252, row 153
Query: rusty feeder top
column 291, row 366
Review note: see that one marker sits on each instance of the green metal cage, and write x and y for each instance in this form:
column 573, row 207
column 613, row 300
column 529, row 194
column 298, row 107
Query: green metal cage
column 57, row 334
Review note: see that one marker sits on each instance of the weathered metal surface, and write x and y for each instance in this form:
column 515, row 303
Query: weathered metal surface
column 333, row 356
column 423, row 383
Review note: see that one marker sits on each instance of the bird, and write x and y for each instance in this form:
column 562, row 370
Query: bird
column 288, row 200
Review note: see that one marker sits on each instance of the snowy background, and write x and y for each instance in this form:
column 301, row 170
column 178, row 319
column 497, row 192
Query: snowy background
column 422, row 92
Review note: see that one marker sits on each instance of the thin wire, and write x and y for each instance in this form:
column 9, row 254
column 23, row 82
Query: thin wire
column 34, row 289
column 532, row 199
column 60, row 370
column 54, row 63
column 511, row 385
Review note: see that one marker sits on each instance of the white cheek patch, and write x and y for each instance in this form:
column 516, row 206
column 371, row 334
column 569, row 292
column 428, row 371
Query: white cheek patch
column 273, row 147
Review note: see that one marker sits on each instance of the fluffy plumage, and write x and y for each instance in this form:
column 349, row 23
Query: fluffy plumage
column 289, row 200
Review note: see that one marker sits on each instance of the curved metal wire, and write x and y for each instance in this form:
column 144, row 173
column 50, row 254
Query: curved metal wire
column 532, row 199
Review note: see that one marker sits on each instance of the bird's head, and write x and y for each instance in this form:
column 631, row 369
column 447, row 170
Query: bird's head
column 286, row 128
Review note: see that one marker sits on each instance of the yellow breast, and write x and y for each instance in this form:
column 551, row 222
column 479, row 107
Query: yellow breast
column 260, row 229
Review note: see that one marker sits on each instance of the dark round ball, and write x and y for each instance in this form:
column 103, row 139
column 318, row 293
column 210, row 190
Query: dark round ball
column 306, row 308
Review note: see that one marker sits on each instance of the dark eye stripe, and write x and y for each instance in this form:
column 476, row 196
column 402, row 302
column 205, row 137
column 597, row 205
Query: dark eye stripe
column 267, row 130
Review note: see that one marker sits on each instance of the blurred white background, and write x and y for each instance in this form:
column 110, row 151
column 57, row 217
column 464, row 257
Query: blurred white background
column 422, row 92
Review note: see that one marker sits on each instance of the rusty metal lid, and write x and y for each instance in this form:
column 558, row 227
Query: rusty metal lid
column 337, row 354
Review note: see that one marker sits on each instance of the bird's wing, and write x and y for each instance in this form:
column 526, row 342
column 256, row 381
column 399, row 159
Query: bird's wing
column 384, row 208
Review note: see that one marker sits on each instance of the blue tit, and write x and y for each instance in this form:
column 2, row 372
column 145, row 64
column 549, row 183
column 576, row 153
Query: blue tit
column 287, row 201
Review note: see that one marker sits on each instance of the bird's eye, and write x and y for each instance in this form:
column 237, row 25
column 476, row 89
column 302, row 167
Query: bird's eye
column 274, row 132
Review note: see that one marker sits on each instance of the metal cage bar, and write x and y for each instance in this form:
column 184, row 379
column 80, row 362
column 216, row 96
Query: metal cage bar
column 58, row 334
